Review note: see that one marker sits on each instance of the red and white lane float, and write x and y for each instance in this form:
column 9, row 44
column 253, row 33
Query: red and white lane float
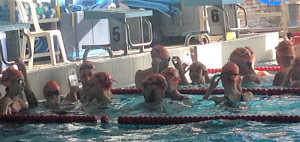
column 169, row 120
column 199, row 91
column 38, row 118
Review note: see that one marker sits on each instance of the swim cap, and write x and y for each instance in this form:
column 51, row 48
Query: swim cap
column 86, row 64
column 285, row 48
column 10, row 74
column 228, row 70
column 102, row 80
column 158, row 81
column 51, row 85
column 241, row 54
column 197, row 65
column 159, row 51
column 171, row 74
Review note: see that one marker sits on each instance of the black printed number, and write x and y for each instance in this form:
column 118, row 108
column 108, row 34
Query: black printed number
column 116, row 34
column 215, row 15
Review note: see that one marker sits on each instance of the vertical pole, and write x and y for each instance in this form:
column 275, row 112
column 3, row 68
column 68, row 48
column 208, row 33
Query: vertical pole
column 12, row 10
column 236, row 22
column 284, row 18
column 201, row 18
column 142, row 34
column 224, row 24
column 126, row 38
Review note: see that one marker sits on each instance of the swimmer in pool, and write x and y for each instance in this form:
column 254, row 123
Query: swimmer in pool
column 160, row 60
column 293, row 77
column 197, row 72
column 173, row 78
column 285, row 58
column 232, row 81
column 154, row 89
column 52, row 94
column 245, row 59
column 54, row 101
column 100, row 91
column 86, row 70
column 17, row 84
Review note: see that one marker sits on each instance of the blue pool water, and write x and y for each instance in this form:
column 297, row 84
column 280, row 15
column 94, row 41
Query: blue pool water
column 213, row 130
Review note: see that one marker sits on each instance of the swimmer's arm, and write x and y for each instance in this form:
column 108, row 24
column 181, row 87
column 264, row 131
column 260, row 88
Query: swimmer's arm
column 4, row 104
column 22, row 103
column 178, row 65
column 140, row 75
column 207, row 79
column 251, row 78
column 279, row 79
column 137, row 80
column 155, row 65
column 31, row 99
column 287, row 79
column 183, row 80
column 213, row 85
column 208, row 92
column 177, row 96
column 73, row 94
column 262, row 73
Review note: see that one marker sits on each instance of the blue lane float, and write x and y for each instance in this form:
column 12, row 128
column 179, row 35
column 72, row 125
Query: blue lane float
column 170, row 120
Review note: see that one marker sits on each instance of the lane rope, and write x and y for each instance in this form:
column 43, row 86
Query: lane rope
column 170, row 120
column 199, row 91
column 39, row 118
column 259, row 68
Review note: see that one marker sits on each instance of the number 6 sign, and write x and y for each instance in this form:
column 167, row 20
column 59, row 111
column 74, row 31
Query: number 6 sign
column 216, row 19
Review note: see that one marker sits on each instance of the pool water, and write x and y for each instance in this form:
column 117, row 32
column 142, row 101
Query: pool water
column 214, row 130
column 133, row 105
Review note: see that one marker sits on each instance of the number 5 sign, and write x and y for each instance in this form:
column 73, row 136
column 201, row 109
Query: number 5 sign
column 117, row 35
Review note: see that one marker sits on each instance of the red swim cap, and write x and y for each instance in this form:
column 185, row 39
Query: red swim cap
column 228, row 70
column 241, row 54
column 102, row 80
column 285, row 48
column 171, row 74
column 159, row 51
column 158, row 81
column 10, row 74
column 51, row 85
column 86, row 65
column 197, row 65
